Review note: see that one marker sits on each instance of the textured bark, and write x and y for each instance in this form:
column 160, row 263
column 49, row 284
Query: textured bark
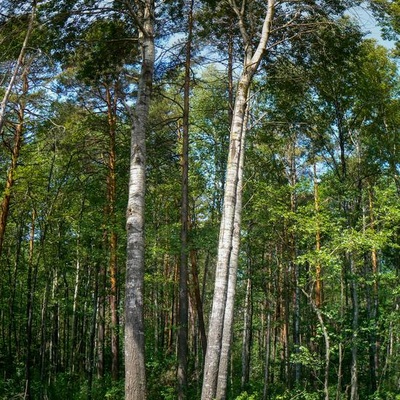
column 222, row 383
column 135, row 374
column 224, row 252
column 228, row 246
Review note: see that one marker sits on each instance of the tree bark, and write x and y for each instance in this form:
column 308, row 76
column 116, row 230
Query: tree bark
column 135, row 374
column 222, row 382
column 113, row 240
column 227, row 246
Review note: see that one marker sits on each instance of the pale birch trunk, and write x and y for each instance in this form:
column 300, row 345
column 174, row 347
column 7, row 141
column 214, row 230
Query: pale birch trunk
column 135, row 375
column 222, row 381
column 228, row 246
column 233, row 266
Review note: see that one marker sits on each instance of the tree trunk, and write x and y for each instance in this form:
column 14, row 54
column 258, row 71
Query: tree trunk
column 29, row 310
column 373, row 301
column 183, row 269
column 230, row 221
column 92, row 333
column 327, row 344
column 247, row 334
column 111, row 195
column 267, row 356
column 198, row 301
column 318, row 281
column 101, row 325
column 222, row 382
column 293, row 262
column 135, row 374
column 354, row 345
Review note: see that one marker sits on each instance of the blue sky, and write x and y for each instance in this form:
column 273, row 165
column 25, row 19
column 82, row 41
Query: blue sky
column 369, row 24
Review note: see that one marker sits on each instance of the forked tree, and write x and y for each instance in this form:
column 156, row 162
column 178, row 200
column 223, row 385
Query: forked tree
column 230, row 222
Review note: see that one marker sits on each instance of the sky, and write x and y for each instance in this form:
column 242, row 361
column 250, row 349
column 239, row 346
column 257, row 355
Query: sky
column 369, row 24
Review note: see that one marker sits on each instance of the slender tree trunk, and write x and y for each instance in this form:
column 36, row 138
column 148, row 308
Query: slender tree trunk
column 43, row 332
column 355, row 325
column 113, row 266
column 198, row 301
column 340, row 345
column 92, row 333
column 222, row 381
column 101, row 325
column 327, row 344
column 216, row 323
column 267, row 356
column 293, row 257
column 287, row 376
column 247, row 334
column 374, row 304
column 75, row 321
column 183, row 270
column 29, row 311
column 135, row 373
column 230, row 221
column 318, row 281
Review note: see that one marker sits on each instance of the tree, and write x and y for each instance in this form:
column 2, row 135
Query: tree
column 135, row 374
column 183, row 269
column 230, row 223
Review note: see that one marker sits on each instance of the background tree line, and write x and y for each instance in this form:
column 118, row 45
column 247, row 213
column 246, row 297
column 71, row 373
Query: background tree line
column 141, row 144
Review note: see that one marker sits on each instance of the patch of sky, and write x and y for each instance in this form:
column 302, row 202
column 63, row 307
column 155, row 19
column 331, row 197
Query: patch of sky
column 369, row 25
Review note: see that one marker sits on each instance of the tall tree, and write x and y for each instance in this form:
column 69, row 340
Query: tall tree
column 228, row 243
column 135, row 372
column 183, row 269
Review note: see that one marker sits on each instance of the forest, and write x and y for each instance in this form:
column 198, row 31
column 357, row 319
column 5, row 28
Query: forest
column 199, row 200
